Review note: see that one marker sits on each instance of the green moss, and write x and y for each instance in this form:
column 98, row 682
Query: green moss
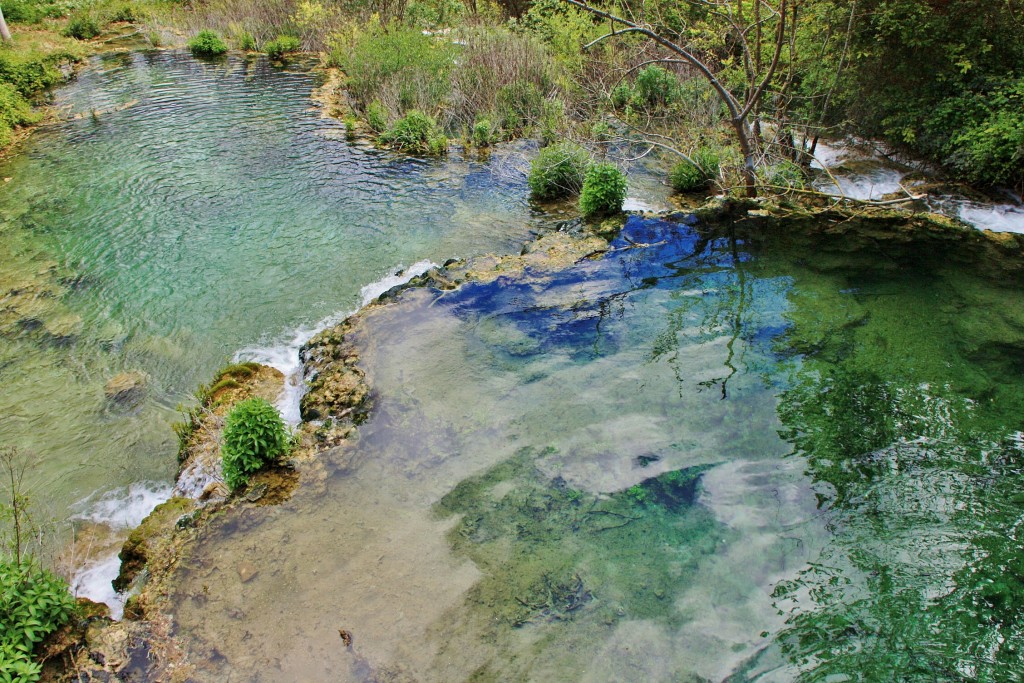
column 143, row 540
column 546, row 549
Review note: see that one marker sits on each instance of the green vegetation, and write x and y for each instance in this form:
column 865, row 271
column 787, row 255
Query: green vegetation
column 694, row 177
column 206, row 43
column 281, row 46
column 83, row 26
column 604, row 190
column 33, row 604
column 558, row 171
column 254, row 437
column 416, row 133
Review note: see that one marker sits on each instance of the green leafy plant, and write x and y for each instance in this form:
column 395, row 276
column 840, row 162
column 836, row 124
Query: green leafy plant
column 33, row 604
column 14, row 111
column 254, row 437
column 604, row 190
column 519, row 104
column 687, row 177
column 483, row 134
column 558, row 171
column 207, row 44
column 282, row 45
column 655, row 88
column 416, row 133
column 82, row 26
column 377, row 117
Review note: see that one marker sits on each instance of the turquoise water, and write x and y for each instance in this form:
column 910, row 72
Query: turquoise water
column 704, row 456
column 184, row 211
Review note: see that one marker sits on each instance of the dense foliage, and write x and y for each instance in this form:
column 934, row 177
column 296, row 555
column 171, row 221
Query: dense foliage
column 33, row 604
column 416, row 133
column 558, row 171
column 604, row 191
column 254, row 437
column 944, row 80
column 206, row 43
column 282, row 45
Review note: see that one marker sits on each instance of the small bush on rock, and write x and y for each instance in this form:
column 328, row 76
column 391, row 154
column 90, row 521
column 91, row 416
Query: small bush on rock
column 254, row 437
column 416, row 133
column 281, row 46
column 558, row 171
column 207, row 44
column 604, row 191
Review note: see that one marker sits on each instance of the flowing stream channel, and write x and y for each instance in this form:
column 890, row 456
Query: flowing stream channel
column 185, row 213
column 700, row 456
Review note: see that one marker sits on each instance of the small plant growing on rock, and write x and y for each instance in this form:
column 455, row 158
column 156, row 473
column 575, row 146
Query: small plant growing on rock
column 416, row 133
column 281, row 46
column 207, row 44
column 604, row 190
column 254, row 437
column 558, row 171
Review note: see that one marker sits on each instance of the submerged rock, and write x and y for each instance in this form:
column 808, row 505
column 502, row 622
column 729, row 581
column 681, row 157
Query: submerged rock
column 126, row 389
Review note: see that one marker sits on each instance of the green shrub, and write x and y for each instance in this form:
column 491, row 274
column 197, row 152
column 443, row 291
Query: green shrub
column 416, row 133
column 30, row 73
column 22, row 12
column 655, row 88
column 254, row 437
column 124, row 11
column 14, row 111
column 82, row 26
column 281, row 46
column 687, row 177
column 377, row 117
column 558, row 171
column 33, row 604
column 621, row 95
column 207, row 44
column 552, row 121
column 519, row 103
column 246, row 42
column 604, row 190
column 483, row 134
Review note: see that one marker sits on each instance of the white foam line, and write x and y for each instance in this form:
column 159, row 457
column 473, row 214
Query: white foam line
column 125, row 508
column 284, row 355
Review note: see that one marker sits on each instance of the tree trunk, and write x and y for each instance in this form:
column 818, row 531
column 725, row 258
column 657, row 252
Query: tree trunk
column 743, row 135
column 5, row 32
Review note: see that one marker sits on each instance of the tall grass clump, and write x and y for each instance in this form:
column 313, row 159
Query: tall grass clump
column 396, row 65
column 254, row 437
column 558, row 171
column 207, row 44
column 15, row 111
column 502, row 76
column 604, row 191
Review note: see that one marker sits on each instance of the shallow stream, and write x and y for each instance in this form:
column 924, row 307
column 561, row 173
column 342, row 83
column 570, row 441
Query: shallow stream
column 705, row 455
column 701, row 456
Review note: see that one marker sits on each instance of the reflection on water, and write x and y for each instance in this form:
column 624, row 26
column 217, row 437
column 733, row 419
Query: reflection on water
column 697, row 457
column 186, row 210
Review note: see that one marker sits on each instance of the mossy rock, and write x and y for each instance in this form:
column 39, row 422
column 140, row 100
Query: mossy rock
column 144, row 540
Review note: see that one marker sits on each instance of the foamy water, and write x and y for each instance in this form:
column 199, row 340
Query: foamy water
column 124, row 508
column 284, row 355
column 120, row 510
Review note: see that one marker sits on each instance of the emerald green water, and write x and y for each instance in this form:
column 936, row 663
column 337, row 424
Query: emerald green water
column 718, row 455
column 748, row 456
column 205, row 208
